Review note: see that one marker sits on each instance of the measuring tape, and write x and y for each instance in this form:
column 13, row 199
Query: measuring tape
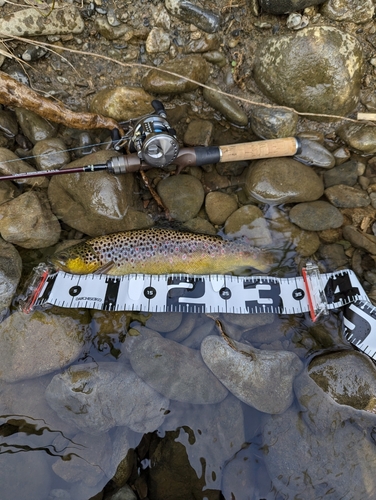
column 312, row 292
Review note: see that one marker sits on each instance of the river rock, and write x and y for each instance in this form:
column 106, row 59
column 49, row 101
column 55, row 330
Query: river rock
column 219, row 206
column 11, row 164
column 331, row 421
column 122, row 460
column 282, row 180
column 193, row 67
column 8, row 123
column 347, row 173
column 226, row 105
column 316, row 216
column 191, row 13
column 343, row 196
column 248, row 221
column 174, row 370
column 359, row 239
column 199, row 133
column 34, row 21
column 109, row 32
column 314, row 154
column 273, row 122
column 28, row 222
column 120, row 103
column 183, row 195
column 51, row 154
column 198, row 225
column 111, row 393
column 285, row 234
column 96, row 204
column 158, row 40
column 8, row 191
column 164, row 322
column 34, row 127
column 354, row 11
column 316, row 70
column 217, row 431
column 25, row 476
column 261, row 379
column 286, row 6
column 34, row 344
column 360, row 138
column 10, row 274
column 89, row 458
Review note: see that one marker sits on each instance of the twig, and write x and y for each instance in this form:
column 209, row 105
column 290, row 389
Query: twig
column 155, row 195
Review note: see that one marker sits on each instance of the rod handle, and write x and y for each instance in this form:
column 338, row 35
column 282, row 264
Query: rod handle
column 288, row 146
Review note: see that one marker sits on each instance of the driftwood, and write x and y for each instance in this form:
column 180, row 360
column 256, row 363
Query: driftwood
column 14, row 93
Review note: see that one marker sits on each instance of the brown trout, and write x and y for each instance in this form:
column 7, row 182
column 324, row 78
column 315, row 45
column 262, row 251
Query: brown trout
column 160, row 251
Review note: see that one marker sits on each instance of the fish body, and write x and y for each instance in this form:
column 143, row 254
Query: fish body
column 159, row 251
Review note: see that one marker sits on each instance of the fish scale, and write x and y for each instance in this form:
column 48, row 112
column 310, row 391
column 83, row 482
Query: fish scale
column 160, row 251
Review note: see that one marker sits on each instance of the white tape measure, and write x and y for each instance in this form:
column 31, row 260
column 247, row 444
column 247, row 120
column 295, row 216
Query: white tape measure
column 313, row 292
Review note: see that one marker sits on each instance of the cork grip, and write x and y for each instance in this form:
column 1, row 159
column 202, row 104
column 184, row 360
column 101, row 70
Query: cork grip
column 272, row 148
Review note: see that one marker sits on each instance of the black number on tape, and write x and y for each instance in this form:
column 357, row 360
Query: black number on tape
column 182, row 298
column 273, row 293
column 46, row 293
column 339, row 287
column 112, row 290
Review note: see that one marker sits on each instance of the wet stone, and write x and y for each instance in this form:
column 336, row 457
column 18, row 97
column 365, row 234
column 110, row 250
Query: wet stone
column 8, row 191
column 291, row 69
column 112, row 395
column 34, row 127
column 21, row 336
column 11, row 164
column 88, row 458
column 360, row 138
column 164, row 322
column 334, row 256
column 313, row 153
column 282, row 180
column 285, row 6
column 30, row 22
column 316, row 216
column 205, row 44
column 343, row 196
column 158, row 40
column 113, row 32
column 341, row 155
column 192, row 66
column 174, row 370
column 226, row 105
column 51, row 154
column 10, row 274
column 96, row 204
column 233, row 168
column 120, row 103
column 219, row 206
column 8, row 123
column 249, row 221
column 193, row 14
column 28, row 221
column 198, row 225
column 183, row 195
column 199, row 133
column 355, row 11
column 261, row 379
column 273, row 123
column 347, row 174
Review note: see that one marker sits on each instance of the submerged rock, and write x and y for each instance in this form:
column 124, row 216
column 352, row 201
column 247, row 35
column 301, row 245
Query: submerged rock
column 38, row 343
column 316, row 216
column 172, row 369
column 111, row 394
column 262, row 379
column 316, row 70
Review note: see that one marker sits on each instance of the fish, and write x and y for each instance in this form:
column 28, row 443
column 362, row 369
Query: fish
column 160, row 251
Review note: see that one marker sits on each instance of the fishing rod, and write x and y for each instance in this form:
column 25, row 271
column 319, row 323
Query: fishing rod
column 152, row 143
